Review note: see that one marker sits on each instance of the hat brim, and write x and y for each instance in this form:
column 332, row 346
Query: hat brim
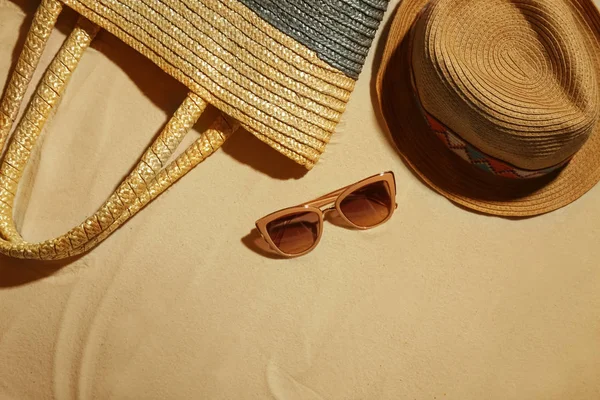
column 447, row 173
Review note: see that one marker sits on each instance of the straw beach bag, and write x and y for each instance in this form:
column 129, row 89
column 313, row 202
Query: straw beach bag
column 283, row 70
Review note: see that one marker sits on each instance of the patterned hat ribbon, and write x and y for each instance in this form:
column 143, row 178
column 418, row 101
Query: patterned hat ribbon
column 478, row 158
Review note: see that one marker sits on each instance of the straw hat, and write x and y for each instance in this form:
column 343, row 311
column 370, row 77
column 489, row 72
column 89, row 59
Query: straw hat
column 495, row 104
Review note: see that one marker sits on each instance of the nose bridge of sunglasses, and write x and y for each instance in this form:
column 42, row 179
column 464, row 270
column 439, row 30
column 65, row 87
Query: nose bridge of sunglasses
column 324, row 204
column 327, row 208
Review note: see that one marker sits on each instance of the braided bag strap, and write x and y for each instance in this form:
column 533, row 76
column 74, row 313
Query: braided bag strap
column 150, row 177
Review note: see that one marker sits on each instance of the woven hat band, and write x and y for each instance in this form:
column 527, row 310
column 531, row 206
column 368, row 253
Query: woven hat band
column 478, row 158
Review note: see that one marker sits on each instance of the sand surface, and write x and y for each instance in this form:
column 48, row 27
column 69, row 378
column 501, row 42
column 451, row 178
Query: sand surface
column 439, row 303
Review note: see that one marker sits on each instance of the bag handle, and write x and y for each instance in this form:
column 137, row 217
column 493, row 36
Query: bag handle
column 150, row 177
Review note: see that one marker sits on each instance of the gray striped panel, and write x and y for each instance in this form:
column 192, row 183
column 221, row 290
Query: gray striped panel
column 339, row 31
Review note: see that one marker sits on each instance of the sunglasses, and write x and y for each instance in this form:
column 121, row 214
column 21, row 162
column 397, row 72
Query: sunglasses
column 295, row 231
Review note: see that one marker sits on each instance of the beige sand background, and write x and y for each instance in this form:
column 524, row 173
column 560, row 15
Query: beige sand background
column 440, row 303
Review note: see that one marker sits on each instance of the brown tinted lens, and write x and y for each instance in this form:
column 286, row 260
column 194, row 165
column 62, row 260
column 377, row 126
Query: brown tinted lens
column 295, row 233
column 368, row 205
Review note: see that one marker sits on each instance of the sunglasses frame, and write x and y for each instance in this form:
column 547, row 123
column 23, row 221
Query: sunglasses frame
column 328, row 202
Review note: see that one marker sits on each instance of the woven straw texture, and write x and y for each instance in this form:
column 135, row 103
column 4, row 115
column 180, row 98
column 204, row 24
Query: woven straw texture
column 227, row 54
column 340, row 32
column 151, row 176
column 281, row 90
column 518, row 80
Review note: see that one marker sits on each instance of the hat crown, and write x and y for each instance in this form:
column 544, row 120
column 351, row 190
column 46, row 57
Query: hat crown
column 513, row 78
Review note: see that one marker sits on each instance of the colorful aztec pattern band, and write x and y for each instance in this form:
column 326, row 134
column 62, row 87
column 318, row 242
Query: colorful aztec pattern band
column 284, row 69
column 481, row 160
